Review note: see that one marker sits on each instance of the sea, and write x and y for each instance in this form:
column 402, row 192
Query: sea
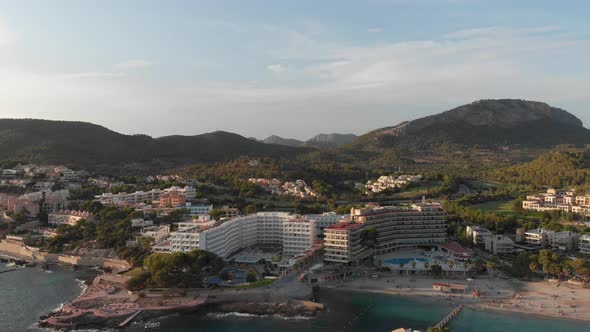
column 29, row 293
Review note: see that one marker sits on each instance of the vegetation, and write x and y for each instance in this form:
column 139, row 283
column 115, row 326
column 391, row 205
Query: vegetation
column 556, row 169
column 181, row 270
column 46, row 141
column 369, row 237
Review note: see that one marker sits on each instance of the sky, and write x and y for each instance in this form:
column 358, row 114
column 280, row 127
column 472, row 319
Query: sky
column 291, row 68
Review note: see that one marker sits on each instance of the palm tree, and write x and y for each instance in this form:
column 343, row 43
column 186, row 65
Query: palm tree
column 451, row 264
column 465, row 265
column 426, row 266
column 401, row 267
column 533, row 267
column 413, row 265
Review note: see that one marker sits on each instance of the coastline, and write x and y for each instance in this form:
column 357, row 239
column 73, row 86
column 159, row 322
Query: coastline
column 105, row 303
column 532, row 299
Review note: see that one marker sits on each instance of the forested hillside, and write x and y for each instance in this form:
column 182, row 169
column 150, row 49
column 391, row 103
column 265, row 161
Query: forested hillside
column 557, row 169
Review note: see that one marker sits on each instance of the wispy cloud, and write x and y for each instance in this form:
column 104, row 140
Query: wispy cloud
column 92, row 74
column 134, row 64
column 277, row 68
column 374, row 30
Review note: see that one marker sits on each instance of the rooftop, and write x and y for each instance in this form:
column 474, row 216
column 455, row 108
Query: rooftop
column 456, row 248
column 344, row 226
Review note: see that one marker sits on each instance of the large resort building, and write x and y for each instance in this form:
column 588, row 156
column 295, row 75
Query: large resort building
column 397, row 228
column 294, row 233
column 421, row 224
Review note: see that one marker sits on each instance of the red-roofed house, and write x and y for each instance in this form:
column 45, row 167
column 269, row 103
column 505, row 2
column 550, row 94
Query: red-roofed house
column 456, row 251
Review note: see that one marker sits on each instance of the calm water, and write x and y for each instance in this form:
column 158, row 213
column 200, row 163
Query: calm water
column 28, row 293
column 382, row 313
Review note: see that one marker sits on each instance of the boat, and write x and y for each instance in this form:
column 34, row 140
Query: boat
column 151, row 326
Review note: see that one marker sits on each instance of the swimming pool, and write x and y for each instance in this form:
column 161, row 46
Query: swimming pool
column 398, row 261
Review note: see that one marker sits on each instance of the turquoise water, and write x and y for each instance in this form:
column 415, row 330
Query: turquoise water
column 358, row 312
column 29, row 293
column 398, row 261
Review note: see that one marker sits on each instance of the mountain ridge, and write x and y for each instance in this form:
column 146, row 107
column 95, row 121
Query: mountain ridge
column 89, row 145
column 318, row 141
column 488, row 122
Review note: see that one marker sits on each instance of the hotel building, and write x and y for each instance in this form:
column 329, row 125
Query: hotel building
column 68, row 217
column 421, row 224
column 342, row 243
column 144, row 196
column 294, row 233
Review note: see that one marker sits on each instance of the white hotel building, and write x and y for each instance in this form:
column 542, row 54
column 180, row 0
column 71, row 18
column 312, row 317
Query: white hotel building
column 294, row 233
column 143, row 196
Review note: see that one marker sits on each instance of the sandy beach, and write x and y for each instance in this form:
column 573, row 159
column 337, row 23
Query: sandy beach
column 539, row 298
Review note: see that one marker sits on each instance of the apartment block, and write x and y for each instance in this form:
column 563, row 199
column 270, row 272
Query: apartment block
column 584, row 244
column 499, row 245
column 477, row 234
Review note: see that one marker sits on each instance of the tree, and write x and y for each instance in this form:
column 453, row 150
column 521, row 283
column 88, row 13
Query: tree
column 436, row 269
column 520, row 265
column 426, row 266
column 450, row 265
column 369, row 237
column 21, row 216
column 465, row 266
column 401, row 267
column 138, row 281
column 413, row 265
column 533, row 266
column 216, row 214
column 183, row 270
column 251, row 276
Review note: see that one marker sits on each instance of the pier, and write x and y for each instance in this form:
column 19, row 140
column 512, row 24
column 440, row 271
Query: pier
column 6, row 271
column 448, row 318
column 129, row 319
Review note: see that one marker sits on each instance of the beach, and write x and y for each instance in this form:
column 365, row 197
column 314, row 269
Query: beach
column 555, row 300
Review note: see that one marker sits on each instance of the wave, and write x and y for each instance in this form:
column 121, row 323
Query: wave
column 59, row 307
column 82, row 285
column 246, row 315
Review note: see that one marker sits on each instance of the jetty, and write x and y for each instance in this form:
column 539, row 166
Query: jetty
column 129, row 319
column 448, row 317
column 6, row 271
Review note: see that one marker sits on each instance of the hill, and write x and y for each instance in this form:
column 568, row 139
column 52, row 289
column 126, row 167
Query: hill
column 91, row 146
column 330, row 140
column 274, row 139
column 318, row 141
column 486, row 123
column 557, row 169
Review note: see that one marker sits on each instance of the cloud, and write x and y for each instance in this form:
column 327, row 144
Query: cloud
column 7, row 35
column 375, row 30
column 92, row 74
column 134, row 64
column 277, row 68
column 342, row 86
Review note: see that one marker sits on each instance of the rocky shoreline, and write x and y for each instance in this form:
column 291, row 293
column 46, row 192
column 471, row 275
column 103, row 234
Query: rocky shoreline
column 286, row 309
